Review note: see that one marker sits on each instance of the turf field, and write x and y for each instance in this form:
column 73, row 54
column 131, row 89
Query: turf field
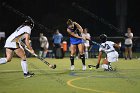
column 126, row 78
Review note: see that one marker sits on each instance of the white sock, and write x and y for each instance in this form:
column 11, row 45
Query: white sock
column 86, row 55
column 40, row 53
column 44, row 55
column 24, row 66
column 105, row 66
column 3, row 60
column 86, row 52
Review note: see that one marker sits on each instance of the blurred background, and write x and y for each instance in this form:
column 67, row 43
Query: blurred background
column 111, row 17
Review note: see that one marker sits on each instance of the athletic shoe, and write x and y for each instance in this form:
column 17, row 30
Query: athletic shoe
column 72, row 67
column 77, row 57
column 109, row 69
column 84, row 67
column 28, row 74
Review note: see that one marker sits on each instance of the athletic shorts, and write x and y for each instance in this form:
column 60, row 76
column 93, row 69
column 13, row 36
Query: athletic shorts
column 128, row 45
column 112, row 56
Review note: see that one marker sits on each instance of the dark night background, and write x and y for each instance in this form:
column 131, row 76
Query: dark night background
column 54, row 13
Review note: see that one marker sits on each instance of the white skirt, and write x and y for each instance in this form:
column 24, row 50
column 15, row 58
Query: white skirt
column 10, row 44
column 112, row 56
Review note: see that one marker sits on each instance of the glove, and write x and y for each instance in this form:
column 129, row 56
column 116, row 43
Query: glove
column 97, row 66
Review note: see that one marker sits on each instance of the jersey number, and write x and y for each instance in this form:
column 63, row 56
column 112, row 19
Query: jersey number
column 107, row 46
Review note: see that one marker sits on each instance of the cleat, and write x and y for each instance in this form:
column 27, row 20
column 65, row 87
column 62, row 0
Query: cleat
column 72, row 67
column 84, row 68
column 28, row 75
column 109, row 68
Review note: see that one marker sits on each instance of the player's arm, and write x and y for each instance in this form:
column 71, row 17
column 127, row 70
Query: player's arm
column 130, row 35
column 117, row 45
column 72, row 34
column 99, row 59
column 79, row 27
column 88, row 37
column 27, row 42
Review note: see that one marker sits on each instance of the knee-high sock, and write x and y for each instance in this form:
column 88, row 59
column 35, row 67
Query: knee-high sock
column 83, row 59
column 86, row 52
column 72, row 60
column 3, row 60
column 24, row 66
column 40, row 53
column 44, row 55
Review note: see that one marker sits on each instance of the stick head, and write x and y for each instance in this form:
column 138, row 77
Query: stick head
column 52, row 66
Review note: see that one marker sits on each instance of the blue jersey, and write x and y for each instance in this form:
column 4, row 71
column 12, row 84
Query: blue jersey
column 57, row 38
column 74, row 40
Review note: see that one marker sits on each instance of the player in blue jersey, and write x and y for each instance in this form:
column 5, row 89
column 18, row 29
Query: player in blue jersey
column 75, row 31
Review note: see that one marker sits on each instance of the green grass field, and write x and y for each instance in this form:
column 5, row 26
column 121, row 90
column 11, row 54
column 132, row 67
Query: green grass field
column 126, row 79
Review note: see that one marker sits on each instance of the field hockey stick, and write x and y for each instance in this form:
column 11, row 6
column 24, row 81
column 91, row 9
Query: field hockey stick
column 93, row 42
column 42, row 59
column 91, row 66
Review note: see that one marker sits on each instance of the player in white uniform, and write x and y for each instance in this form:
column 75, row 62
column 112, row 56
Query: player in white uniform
column 86, row 42
column 13, row 45
column 44, row 44
column 128, row 44
column 111, row 53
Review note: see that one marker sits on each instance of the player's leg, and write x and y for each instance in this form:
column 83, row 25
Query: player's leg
column 45, row 50
column 130, row 52
column 82, row 55
column 126, row 52
column 21, row 53
column 111, row 57
column 45, row 53
column 86, row 52
column 106, row 65
column 77, row 52
column 73, row 50
column 41, row 52
column 9, row 55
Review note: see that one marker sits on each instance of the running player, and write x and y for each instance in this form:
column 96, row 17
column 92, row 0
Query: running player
column 44, row 44
column 111, row 53
column 13, row 45
column 75, row 31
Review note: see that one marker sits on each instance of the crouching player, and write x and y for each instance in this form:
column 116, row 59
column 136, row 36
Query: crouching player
column 13, row 45
column 111, row 53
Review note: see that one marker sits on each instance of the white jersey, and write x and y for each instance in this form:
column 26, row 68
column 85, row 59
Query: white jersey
column 15, row 37
column 108, row 48
column 44, row 42
column 129, row 39
column 86, row 42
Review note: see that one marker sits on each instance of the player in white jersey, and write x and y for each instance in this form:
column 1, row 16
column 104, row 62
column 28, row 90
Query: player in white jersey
column 111, row 53
column 128, row 44
column 13, row 45
column 44, row 44
column 86, row 42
